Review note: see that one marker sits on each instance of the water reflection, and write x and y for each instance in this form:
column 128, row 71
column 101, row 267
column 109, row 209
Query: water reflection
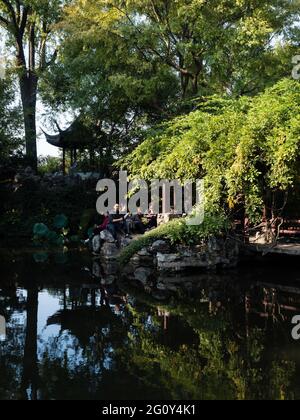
column 75, row 330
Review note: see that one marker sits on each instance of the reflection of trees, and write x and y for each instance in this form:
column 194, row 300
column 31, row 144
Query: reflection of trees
column 209, row 347
column 230, row 361
column 30, row 362
column 11, row 358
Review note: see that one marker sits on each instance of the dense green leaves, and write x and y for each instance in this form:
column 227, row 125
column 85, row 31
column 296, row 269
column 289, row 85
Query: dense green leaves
column 244, row 149
column 10, row 138
column 223, row 45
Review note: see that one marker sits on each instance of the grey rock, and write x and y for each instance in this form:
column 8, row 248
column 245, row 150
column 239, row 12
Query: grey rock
column 166, row 218
column 143, row 274
column 161, row 286
column 159, row 295
column 96, row 244
column 144, row 253
column 172, row 288
column 125, row 242
column 160, row 247
column 106, row 236
column 108, row 280
column 109, row 268
column 109, row 251
column 167, row 258
column 142, row 261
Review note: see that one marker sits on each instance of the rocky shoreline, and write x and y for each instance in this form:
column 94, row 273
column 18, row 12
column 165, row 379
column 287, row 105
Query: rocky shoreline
column 161, row 266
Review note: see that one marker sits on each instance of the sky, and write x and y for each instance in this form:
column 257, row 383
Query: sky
column 43, row 148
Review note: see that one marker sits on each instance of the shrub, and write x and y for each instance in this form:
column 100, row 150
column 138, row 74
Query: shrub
column 178, row 232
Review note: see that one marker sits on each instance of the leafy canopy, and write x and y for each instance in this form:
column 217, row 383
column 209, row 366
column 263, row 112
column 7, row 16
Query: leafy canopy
column 244, row 149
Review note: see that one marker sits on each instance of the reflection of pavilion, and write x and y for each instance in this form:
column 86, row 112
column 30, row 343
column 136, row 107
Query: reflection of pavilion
column 84, row 321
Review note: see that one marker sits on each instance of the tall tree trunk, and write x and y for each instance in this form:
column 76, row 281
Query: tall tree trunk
column 28, row 88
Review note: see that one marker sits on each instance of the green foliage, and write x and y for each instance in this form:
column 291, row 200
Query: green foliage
column 40, row 230
column 127, row 65
column 60, row 221
column 57, row 237
column 178, row 232
column 49, row 165
column 218, row 45
column 10, row 122
column 245, row 149
column 87, row 220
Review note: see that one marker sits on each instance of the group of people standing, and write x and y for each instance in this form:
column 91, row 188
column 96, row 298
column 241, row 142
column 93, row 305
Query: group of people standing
column 127, row 224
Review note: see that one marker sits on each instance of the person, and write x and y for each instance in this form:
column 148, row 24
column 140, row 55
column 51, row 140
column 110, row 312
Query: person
column 138, row 224
column 116, row 223
column 103, row 226
column 129, row 224
column 152, row 218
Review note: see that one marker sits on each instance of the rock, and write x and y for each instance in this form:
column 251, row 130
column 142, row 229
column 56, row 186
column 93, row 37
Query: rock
column 144, row 253
column 29, row 171
column 96, row 244
column 160, row 295
column 125, row 242
column 106, row 236
column 147, row 261
column 161, row 286
column 207, row 255
column 108, row 280
column 167, row 217
column 167, row 258
column 160, row 247
column 143, row 274
column 186, row 251
column 96, row 270
column 174, row 279
column 109, row 268
column 109, row 251
column 172, row 288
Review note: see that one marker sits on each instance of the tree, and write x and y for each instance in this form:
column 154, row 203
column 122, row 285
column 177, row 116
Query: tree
column 115, row 94
column 29, row 24
column 206, row 43
column 247, row 150
column 10, row 123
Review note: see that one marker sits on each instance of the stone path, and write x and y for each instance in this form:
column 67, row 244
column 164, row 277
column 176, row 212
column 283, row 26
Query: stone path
column 282, row 249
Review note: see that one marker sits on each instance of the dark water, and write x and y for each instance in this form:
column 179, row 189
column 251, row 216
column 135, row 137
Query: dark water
column 75, row 331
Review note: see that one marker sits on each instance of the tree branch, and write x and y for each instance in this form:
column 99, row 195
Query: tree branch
column 23, row 21
column 12, row 13
column 4, row 21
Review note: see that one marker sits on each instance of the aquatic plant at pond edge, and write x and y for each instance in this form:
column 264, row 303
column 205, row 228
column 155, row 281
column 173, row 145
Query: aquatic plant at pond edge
column 43, row 235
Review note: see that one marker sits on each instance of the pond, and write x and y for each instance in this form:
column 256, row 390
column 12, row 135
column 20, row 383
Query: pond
column 73, row 329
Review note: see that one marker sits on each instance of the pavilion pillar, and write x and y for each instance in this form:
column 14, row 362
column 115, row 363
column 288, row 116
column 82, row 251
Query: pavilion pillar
column 64, row 161
column 72, row 157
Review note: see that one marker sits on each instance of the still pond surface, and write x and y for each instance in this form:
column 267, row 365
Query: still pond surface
column 73, row 330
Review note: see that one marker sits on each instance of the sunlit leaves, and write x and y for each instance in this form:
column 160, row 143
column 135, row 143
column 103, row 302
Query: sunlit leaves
column 243, row 150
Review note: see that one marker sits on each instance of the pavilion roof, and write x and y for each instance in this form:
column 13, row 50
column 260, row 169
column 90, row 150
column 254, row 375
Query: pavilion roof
column 76, row 136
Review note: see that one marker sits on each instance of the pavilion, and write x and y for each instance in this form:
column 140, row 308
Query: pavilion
column 74, row 139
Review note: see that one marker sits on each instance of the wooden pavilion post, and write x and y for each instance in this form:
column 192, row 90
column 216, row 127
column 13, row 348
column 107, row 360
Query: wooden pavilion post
column 64, row 161
column 72, row 157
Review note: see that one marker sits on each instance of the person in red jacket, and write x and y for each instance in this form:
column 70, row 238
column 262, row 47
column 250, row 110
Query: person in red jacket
column 103, row 226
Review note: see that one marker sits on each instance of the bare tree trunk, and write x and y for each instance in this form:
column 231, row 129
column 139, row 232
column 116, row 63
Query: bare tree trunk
column 28, row 88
